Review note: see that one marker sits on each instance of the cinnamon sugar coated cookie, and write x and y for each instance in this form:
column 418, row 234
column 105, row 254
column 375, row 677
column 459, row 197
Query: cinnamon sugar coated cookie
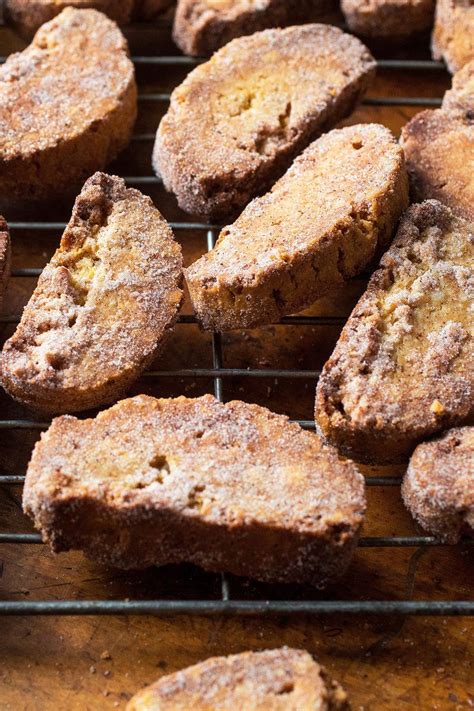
column 203, row 26
column 317, row 227
column 438, row 488
column 27, row 16
column 230, row 487
column 453, row 34
column 103, row 306
column 439, row 148
column 390, row 20
column 237, row 121
column 403, row 368
column 273, row 680
column 67, row 107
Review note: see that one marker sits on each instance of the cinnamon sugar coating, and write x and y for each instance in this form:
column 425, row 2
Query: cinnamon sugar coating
column 67, row 107
column 5, row 258
column 203, row 26
column 237, row 121
column 273, row 680
column 403, row 368
column 439, row 148
column 230, row 487
column 27, row 16
column 318, row 226
column 460, row 98
column 391, row 20
column 438, row 488
column 103, row 306
column 453, row 34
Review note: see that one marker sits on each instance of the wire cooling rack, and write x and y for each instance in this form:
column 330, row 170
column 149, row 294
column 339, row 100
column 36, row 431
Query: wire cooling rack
column 226, row 604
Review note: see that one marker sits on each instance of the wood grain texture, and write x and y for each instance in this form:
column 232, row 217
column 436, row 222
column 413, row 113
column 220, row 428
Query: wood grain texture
column 97, row 662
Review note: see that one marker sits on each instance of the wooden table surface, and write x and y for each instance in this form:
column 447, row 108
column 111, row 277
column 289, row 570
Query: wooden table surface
column 98, row 662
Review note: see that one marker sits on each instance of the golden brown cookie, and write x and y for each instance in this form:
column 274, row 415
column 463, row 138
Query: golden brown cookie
column 453, row 34
column 438, row 488
column 403, row 368
column 273, row 680
column 230, row 487
column 236, row 122
column 439, row 148
column 388, row 20
column 27, row 16
column 321, row 223
column 203, row 26
column 103, row 305
column 67, row 107
column 460, row 98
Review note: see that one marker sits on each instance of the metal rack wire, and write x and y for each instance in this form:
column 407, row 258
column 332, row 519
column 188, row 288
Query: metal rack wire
column 220, row 375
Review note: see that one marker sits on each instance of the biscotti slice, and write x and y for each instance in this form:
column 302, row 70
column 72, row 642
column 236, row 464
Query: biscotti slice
column 203, row 26
column 236, row 122
column 273, row 680
column 439, row 148
column 5, row 258
column 459, row 100
column 103, row 305
column 453, row 34
column 403, row 368
column 27, row 16
column 67, row 107
column 438, row 488
column 390, row 20
column 230, row 487
column 319, row 225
